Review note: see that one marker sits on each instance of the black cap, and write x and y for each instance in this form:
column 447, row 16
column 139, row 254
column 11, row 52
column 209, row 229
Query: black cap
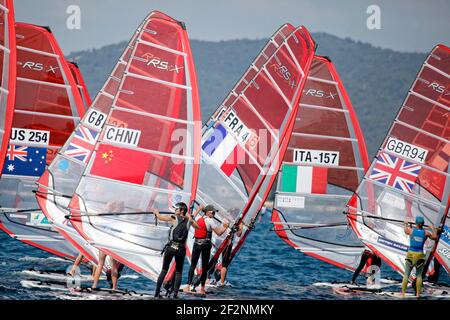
column 210, row 207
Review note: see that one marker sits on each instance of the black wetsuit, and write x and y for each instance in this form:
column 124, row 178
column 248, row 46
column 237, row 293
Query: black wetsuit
column 174, row 249
column 365, row 256
column 201, row 247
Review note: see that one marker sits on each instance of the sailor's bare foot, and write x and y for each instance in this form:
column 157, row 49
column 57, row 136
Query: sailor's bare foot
column 202, row 290
column 187, row 289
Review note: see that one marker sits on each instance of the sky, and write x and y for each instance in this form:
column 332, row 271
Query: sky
column 401, row 25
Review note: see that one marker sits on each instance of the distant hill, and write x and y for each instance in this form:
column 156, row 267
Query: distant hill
column 376, row 79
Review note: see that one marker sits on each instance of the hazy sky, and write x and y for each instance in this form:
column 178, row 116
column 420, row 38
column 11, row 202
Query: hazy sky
column 406, row 25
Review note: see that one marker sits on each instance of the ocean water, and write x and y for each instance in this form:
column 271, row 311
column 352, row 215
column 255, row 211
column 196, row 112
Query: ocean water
column 265, row 268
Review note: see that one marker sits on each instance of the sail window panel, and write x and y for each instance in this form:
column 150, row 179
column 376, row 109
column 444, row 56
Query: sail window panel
column 153, row 97
column 265, row 98
column 67, row 173
column 432, row 85
column 426, row 116
column 60, row 128
column 319, row 69
column 285, row 30
column 440, row 59
column 265, row 139
column 33, row 38
column 321, row 122
column 163, row 33
column 390, row 204
column 42, row 98
column 39, row 67
column 340, row 236
column 321, row 94
column 284, row 72
column 214, row 187
column 159, row 64
column 17, row 193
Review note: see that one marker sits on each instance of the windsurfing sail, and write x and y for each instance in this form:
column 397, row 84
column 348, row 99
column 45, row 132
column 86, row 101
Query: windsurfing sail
column 410, row 174
column 324, row 164
column 241, row 151
column 47, row 108
column 76, row 72
column 148, row 152
column 59, row 182
column 8, row 74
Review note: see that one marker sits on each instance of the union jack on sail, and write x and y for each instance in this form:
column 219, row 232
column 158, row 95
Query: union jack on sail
column 395, row 172
column 82, row 144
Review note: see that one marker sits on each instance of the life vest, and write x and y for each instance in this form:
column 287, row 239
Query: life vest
column 202, row 232
column 417, row 240
column 179, row 234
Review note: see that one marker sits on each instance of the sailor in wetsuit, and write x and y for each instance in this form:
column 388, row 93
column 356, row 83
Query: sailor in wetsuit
column 202, row 243
column 368, row 258
column 175, row 248
column 415, row 256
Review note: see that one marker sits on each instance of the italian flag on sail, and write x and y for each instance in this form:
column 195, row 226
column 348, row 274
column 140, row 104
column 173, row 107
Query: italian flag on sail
column 303, row 179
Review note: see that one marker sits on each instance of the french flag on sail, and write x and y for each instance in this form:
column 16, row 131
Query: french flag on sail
column 223, row 149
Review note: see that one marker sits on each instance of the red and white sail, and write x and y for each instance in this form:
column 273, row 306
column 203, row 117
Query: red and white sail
column 76, row 72
column 48, row 106
column 241, row 144
column 7, row 73
column 58, row 183
column 410, row 174
column 324, row 164
column 148, row 153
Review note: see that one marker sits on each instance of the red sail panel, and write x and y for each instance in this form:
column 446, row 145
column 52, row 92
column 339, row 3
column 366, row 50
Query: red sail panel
column 153, row 133
column 8, row 74
column 58, row 183
column 247, row 125
column 410, row 175
column 322, row 167
column 47, row 108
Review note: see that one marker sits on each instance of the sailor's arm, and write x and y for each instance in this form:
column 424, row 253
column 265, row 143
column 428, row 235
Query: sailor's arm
column 192, row 220
column 196, row 212
column 433, row 234
column 161, row 217
column 407, row 228
column 220, row 230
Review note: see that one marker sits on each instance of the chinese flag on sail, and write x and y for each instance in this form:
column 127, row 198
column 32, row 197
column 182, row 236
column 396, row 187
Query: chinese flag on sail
column 121, row 164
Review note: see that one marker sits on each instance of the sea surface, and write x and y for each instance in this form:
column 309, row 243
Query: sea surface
column 265, row 268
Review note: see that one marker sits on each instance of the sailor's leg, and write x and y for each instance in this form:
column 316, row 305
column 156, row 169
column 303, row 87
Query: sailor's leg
column 114, row 273
column 196, row 250
column 206, row 252
column 419, row 280
column 98, row 271
column 361, row 265
column 408, row 269
column 168, row 256
column 76, row 264
column 179, row 261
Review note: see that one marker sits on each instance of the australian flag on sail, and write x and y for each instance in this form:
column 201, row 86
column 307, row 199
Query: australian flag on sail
column 395, row 172
column 82, row 144
column 25, row 161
